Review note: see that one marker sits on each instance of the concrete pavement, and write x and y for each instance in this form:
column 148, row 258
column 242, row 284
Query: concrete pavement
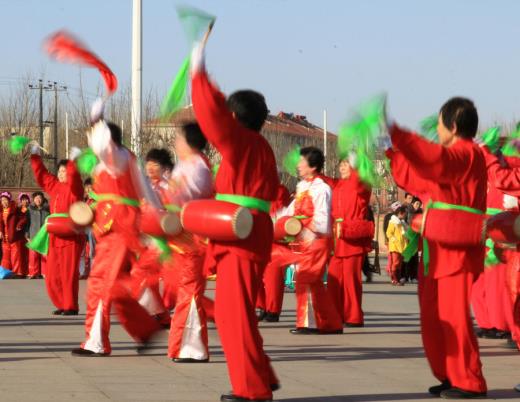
column 382, row 362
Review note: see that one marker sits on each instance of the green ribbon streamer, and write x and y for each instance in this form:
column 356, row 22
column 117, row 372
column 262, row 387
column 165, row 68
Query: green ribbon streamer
column 162, row 245
column 176, row 96
column 289, row 274
column 426, row 257
column 17, row 143
column 40, row 242
column 413, row 244
column 194, row 21
column 492, row 139
column 115, row 198
column 428, row 127
column 291, row 160
column 491, row 257
column 245, row 201
column 87, row 161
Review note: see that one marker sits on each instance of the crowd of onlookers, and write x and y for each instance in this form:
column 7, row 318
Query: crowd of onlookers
column 21, row 220
column 396, row 225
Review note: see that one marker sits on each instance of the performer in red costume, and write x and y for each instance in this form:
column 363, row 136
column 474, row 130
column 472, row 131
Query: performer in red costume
column 315, row 312
column 117, row 185
column 270, row 295
column 247, row 176
column 507, row 179
column 12, row 231
column 62, row 273
column 493, row 311
column 353, row 239
column 191, row 179
column 453, row 176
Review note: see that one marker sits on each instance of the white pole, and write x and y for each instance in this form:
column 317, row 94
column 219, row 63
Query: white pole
column 136, row 75
column 325, row 140
column 66, row 135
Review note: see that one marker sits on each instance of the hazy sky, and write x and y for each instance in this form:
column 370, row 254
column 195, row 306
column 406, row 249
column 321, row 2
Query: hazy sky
column 304, row 55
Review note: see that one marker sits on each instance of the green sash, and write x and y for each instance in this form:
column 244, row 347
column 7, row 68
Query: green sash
column 245, row 201
column 40, row 242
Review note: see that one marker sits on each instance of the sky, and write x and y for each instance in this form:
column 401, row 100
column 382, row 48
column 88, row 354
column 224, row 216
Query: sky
column 303, row 55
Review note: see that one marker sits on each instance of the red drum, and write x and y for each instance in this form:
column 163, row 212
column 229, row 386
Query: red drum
column 217, row 220
column 451, row 227
column 504, row 227
column 62, row 226
column 159, row 223
column 286, row 226
column 81, row 214
column 355, row 229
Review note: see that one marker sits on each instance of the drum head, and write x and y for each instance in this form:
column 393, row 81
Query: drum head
column 81, row 214
column 293, row 226
column 171, row 224
column 242, row 223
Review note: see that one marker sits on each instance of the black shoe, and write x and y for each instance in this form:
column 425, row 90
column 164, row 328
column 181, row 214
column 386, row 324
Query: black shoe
column 503, row 334
column 275, row 387
column 188, row 360
column 304, row 331
column 457, row 393
column 70, row 312
column 232, row 397
column 437, row 389
column 57, row 312
column 482, row 332
column 271, row 317
column 517, row 388
column 354, row 325
column 86, row 353
column 260, row 315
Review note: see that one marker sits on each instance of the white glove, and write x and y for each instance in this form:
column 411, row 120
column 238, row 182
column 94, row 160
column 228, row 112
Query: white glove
column 509, row 202
column 35, row 148
column 74, row 153
column 352, row 159
column 198, row 62
column 384, row 142
column 97, row 111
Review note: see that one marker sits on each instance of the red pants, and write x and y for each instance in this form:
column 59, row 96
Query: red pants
column 513, row 287
column 62, row 274
column 109, row 284
column 447, row 330
column 189, row 332
column 249, row 367
column 314, row 306
column 12, row 257
column 487, row 298
column 170, row 276
column 344, row 283
column 145, row 277
column 395, row 267
column 37, row 263
column 270, row 297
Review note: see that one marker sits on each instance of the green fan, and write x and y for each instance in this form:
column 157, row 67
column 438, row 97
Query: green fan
column 428, row 127
column 492, row 139
column 17, row 143
column 87, row 161
column 291, row 160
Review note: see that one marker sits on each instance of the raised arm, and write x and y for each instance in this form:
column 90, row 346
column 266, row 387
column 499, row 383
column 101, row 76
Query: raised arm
column 215, row 120
column 435, row 162
column 405, row 176
column 505, row 179
column 43, row 177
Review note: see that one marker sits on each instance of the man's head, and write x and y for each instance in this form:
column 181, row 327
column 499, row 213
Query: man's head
column 38, row 198
column 249, row 108
column 408, row 198
column 5, row 199
column 311, row 162
column 156, row 159
column 87, row 186
column 400, row 212
column 345, row 170
column 458, row 117
column 115, row 133
column 62, row 171
column 189, row 140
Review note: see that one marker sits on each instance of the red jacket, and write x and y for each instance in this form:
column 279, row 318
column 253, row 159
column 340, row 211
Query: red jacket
column 248, row 166
column 62, row 195
column 455, row 175
column 16, row 221
column 350, row 200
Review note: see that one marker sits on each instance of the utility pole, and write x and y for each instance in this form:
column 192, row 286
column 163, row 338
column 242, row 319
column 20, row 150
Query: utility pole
column 56, row 88
column 137, row 58
column 40, row 87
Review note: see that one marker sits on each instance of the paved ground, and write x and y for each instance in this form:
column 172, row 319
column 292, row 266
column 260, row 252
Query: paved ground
column 382, row 362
